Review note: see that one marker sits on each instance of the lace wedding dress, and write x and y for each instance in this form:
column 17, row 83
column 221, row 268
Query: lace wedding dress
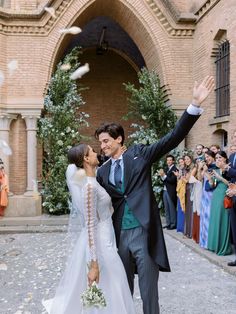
column 92, row 210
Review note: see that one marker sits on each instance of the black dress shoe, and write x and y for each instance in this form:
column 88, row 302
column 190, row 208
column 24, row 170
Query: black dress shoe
column 232, row 263
column 166, row 227
column 171, row 227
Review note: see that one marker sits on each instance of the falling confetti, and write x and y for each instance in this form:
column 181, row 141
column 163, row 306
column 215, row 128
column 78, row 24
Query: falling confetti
column 51, row 11
column 65, row 67
column 80, row 72
column 5, row 148
column 12, row 66
column 1, row 77
column 3, row 266
column 74, row 30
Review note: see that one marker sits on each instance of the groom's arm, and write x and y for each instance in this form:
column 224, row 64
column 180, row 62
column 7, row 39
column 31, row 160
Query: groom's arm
column 183, row 126
column 171, row 140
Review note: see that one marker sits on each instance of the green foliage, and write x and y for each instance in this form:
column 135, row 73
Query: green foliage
column 148, row 106
column 58, row 130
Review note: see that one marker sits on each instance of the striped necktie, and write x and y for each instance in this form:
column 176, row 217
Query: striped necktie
column 118, row 174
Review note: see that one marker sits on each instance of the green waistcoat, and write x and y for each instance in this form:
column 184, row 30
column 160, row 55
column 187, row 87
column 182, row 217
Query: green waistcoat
column 128, row 220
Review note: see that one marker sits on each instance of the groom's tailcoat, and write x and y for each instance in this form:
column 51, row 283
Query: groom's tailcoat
column 138, row 192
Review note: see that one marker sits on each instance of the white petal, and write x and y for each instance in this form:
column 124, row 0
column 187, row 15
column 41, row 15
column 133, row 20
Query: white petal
column 74, row 30
column 12, row 66
column 51, row 11
column 1, row 77
column 80, row 72
column 5, row 148
column 3, row 266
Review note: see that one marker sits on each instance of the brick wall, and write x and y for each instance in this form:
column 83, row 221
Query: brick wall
column 178, row 59
column 106, row 98
column 18, row 159
column 220, row 17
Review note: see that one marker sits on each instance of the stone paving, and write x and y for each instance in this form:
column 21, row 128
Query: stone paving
column 31, row 265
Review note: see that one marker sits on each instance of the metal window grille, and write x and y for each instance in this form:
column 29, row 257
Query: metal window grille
column 222, row 80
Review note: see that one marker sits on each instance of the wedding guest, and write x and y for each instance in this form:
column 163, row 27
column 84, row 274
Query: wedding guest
column 169, row 192
column 4, row 189
column 231, row 172
column 181, row 191
column 204, row 175
column 215, row 148
column 189, row 165
column 196, row 198
column 205, row 149
column 219, row 225
column 232, row 149
column 199, row 152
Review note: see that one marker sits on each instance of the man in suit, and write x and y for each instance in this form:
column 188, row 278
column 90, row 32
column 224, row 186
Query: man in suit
column 199, row 152
column 231, row 171
column 127, row 178
column 169, row 192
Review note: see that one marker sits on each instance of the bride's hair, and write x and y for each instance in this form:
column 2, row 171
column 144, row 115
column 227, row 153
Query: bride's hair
column 77, row 153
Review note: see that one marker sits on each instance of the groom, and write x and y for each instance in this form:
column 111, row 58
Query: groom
column 127, row 178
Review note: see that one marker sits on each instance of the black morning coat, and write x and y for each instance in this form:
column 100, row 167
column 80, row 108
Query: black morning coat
column 171, row 183
column 138, row 193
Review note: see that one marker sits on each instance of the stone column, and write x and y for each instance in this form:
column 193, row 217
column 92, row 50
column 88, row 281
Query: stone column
column 5, row 121
column 31, row 128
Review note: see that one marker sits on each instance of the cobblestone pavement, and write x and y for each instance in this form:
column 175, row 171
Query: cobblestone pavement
column 30, row 268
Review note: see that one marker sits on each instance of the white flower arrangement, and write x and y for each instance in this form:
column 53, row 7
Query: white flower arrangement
column 93, row 297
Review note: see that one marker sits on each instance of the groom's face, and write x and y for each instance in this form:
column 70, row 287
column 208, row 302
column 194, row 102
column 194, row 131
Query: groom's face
column 109, row 145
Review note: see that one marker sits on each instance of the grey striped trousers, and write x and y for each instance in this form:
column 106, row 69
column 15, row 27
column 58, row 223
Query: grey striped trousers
column 133, row 249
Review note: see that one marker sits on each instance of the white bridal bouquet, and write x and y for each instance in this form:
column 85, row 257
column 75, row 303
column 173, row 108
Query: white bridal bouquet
column 93, row 297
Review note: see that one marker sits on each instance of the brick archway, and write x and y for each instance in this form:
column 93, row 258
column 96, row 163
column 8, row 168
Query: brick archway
column 134, row 17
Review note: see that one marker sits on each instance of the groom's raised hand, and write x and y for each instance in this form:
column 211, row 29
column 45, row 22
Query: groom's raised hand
column 201, row 91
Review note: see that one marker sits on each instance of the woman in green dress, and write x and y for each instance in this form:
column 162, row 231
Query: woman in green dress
column 219, row 225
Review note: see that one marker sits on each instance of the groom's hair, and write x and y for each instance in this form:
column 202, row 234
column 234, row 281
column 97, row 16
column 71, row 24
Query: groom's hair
column 113, row 129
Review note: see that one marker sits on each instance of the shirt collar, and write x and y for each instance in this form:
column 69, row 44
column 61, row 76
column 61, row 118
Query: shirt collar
column 113, row 160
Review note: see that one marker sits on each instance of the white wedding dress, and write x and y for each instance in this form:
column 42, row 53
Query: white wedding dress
column 92, row 210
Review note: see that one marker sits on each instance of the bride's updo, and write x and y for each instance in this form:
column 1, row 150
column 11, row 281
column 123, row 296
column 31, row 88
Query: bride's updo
column 77, row 153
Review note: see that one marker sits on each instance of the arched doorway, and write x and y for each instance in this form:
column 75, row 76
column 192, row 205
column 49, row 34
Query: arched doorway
column 106, row 98
column 110, row 67
column 220, row 137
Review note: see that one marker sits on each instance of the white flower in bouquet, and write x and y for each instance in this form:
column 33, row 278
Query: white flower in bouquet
column 93, row 297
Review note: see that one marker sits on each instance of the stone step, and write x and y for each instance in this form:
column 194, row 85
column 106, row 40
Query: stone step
column 43, row 223
column 36, row 220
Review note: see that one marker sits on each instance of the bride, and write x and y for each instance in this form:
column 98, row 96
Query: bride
column 94, row 254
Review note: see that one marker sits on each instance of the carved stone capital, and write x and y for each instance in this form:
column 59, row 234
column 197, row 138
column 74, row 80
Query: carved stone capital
column 5, row 121
column 31, row 122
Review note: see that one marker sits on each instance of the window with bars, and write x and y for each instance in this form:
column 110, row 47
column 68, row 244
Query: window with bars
column 222, row 80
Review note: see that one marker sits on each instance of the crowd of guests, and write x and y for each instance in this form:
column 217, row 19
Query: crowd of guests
column 194, row 192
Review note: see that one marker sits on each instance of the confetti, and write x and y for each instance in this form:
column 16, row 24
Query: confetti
column 80, row 72
column 5, row 148
column 1, row 78
column 12, row 66
column 74, row 30
column 51, row 11
column 3, row 266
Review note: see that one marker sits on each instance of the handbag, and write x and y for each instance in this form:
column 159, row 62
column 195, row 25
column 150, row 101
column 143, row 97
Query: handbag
column 228, row 202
